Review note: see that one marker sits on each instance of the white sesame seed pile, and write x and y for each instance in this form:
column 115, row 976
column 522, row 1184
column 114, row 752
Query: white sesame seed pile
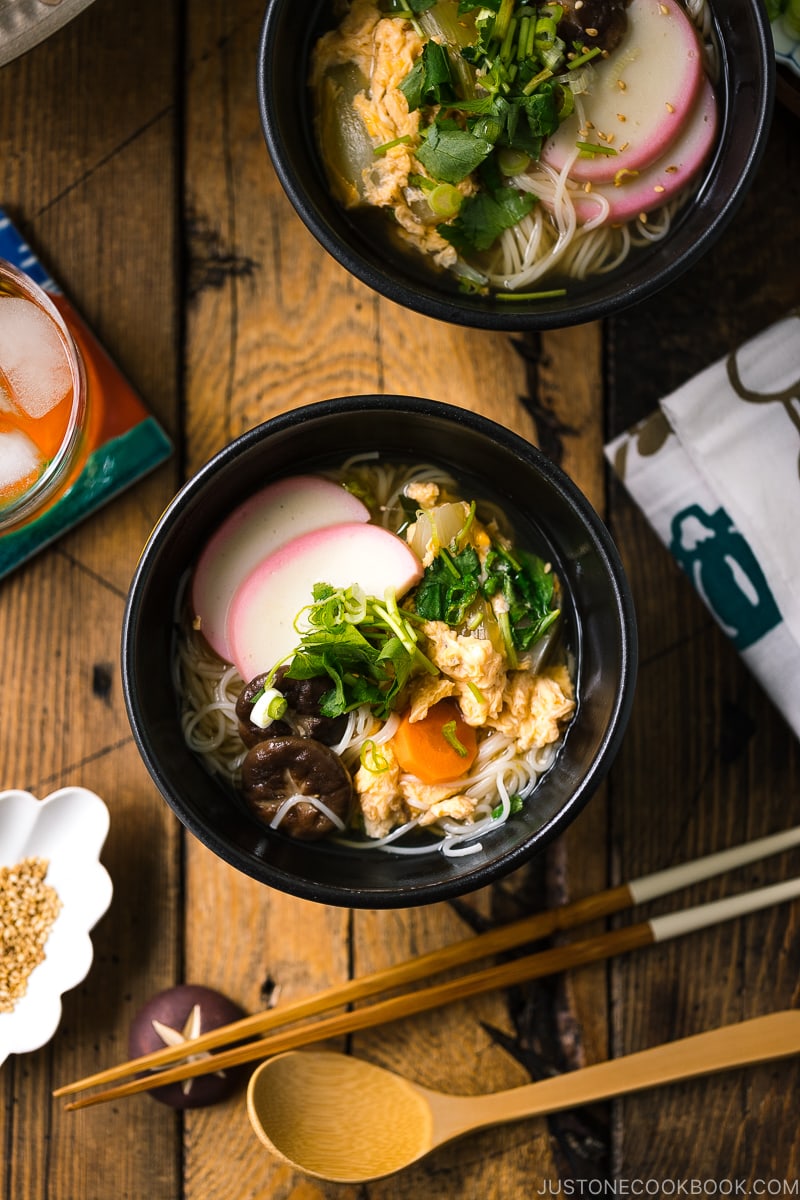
column 28, row 908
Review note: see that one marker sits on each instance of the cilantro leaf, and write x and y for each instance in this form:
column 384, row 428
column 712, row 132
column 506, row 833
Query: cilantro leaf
column 483, row 217
column 430, row 80
column 541, row 110
column 452, row 154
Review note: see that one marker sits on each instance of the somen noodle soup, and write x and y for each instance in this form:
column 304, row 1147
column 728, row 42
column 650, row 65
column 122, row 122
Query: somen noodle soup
column 380, row 656
column 518, row 147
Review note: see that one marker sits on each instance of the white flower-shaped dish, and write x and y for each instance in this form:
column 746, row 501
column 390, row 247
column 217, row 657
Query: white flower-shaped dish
column 68, row 828
column 787, row 45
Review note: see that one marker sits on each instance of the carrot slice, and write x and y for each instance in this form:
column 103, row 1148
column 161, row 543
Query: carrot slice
column 438, row 748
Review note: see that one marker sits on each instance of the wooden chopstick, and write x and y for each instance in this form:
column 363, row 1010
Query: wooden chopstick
column 533, row 966
column 471, row 949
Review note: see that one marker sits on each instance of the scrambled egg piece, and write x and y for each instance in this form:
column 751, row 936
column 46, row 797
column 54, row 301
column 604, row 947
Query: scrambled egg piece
column 388, row 797
column 432, row 801
column 427, row 690
column 384, row 49
column 379, row 795
column 425, row 494
column 474, row 664
column 533, row 706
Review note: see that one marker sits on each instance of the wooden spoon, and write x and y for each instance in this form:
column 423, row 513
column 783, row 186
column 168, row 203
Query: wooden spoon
column 339, row 1118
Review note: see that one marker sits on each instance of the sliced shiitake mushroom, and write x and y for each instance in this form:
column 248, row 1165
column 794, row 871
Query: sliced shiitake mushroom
column 303, row 718
column 594, row 23
column 250, row 733
column 280, row 767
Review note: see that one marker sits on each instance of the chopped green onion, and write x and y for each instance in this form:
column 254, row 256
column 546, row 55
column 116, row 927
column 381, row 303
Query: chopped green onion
column 583, row 58
column 589, row 149
column 449, row 735
column 512, row 162
column 532, row 84
column 398, row 141
column 530, row 295
column 508, row 642
column 445, row 200
column 530, row 39
column 522, row 41
column 502, row 19
column 545, row 32
column 505, row 49
column 268, row 705
column 379, row 761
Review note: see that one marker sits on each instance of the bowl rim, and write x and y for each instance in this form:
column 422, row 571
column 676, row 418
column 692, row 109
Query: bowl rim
column 455, row 309
column 470, row 877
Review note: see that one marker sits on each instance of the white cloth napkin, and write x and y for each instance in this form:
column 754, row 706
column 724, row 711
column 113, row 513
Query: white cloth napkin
column 716, row 471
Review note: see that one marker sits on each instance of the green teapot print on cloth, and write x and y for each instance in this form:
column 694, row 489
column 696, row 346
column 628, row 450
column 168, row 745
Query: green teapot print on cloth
column 726, row 573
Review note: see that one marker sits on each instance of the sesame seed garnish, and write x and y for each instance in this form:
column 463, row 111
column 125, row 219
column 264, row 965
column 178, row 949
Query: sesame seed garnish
column 622, row 85
column 28, row 909
column 621, row 117
column 643, row 218
column 671, row 169
column 624, row 146
column 587, row 187
column 659, row 187
column 663, row 9
column 578, row 5
column 670, row 107
column 590, row 32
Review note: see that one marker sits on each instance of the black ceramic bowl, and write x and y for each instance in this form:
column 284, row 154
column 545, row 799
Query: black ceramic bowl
column 547, row 508
column 746, row 91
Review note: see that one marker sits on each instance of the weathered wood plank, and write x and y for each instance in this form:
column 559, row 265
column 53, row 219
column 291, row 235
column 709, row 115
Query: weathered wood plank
column 707, row 761
column 67, row 160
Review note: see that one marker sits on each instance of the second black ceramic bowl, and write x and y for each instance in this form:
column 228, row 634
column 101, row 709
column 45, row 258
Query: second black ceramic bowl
column 745, row 91
column 552, row 515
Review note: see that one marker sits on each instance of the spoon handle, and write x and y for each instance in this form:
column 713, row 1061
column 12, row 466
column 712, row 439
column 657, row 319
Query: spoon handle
column 756, row 1040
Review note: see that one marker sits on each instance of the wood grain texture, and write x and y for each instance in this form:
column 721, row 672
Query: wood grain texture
column 707, row 761
column 60, row 615
column 132, row 156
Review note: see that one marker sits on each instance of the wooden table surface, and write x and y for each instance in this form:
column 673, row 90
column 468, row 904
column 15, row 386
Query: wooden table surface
column 132, row 158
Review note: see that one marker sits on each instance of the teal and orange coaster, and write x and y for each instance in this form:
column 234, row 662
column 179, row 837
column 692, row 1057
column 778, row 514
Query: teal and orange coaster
column 125, row 441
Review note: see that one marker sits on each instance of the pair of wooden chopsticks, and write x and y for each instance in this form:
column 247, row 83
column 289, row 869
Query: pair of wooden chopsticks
column 658, row 929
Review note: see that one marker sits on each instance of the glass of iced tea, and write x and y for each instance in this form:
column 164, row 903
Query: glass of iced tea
column 42, row 400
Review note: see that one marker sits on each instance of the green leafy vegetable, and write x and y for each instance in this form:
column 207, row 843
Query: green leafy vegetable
column 430, row 80
column 484, row 216
column 454, row 581
column 516, row 802
column 367, row 648
column 528, row 588
column 514, row 58
column 449, row 585
column 452, row 154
